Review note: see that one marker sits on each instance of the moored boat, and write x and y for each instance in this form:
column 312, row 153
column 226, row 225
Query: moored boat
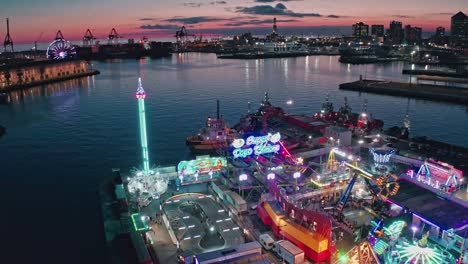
column 214, row 135
column 361, row 123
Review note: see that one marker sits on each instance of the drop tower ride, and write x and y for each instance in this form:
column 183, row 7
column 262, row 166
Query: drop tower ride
column 141, row 95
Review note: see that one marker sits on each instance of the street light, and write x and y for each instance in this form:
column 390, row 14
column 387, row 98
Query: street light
column 300, row 161
column 271, row 176
column 414, row 230
column 360, row 142
column 242, row 178
column 296, row 176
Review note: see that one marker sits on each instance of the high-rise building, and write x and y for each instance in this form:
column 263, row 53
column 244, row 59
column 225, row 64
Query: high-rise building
column 360, row 30
column 459, row 30
column 440, row 38
column 413, row 35
column 395, row 33
column 377, row 30
column 440, row 31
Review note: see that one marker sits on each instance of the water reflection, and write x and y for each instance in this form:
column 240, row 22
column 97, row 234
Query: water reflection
column 53, row 90
column 247, row 73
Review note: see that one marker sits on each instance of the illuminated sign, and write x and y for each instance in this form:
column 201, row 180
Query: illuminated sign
column 263, row 149
column 256, row 145
column 201, row 166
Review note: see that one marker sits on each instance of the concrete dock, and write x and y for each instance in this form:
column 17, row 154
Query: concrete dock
column 25, row 85
column 423, row 91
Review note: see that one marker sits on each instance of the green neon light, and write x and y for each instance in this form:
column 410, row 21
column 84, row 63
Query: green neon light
column 143, row 135
column 203, row 166
column 395, row 228
column 424, row 255
column 137, row 218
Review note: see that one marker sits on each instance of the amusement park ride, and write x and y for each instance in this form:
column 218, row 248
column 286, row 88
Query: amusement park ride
column 145, row 181
column 60, row 48
column 439, row 175
column 380, row 187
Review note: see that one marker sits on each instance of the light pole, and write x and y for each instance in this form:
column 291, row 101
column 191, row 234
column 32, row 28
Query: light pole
column 196, row 175
column 271, row 176
column 242, row 178
column 296, row 176
column 360, row 142
column 414, row 230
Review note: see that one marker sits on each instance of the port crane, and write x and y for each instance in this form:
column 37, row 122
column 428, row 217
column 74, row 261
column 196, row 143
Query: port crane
column 59, row 35
column 8, row 43
column 113, row 37
column 88, row 38
column 181, row 38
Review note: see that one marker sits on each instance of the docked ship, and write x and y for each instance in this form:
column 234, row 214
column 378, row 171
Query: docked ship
column 361, row 123
column 258, row 122
column 358, row 52
column 215, row 135
column 274, row 46
column 115, row 49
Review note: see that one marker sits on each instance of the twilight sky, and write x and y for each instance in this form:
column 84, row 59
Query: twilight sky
column 32, row 20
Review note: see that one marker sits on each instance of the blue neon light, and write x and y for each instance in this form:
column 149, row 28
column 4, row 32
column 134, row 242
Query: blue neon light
column 256, row 145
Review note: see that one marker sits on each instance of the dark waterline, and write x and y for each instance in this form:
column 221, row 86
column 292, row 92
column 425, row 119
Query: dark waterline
column 63, row 139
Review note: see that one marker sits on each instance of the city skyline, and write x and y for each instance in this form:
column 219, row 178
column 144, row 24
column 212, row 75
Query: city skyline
column 162, row 19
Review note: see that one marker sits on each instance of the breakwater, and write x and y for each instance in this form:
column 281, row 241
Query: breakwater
column 423, row 91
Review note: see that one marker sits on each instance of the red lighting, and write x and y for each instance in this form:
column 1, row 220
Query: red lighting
column 140, row 95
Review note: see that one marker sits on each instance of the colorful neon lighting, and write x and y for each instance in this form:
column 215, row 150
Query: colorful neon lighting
column 141, row 95
column 339, row 152
column 138, row 223
column 242, row 153
column 412, row 253
column 394, row 230
column 201, row 166
column 263, row 149
column 238, row 143
column 256, row 145
column 381, row 156
column 253, row 140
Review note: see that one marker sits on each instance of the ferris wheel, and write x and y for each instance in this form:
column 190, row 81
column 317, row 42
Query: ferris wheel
column 60, row 49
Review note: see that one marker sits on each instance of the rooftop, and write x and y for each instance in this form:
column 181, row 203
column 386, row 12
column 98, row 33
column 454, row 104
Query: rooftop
column 430, row 206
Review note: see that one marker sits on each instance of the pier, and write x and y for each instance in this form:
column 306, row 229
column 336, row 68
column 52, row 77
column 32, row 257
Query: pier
column 436, row 72
column 34, row 73
column 423, row 91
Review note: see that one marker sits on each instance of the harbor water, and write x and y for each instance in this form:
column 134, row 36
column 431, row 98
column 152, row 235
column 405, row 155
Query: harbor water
column 62, row 139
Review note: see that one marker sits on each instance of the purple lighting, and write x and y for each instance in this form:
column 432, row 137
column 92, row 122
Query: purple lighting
column 140, row 94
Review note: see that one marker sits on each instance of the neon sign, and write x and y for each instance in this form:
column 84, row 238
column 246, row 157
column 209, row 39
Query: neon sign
column 201, row 166
column 242, row 153
column 256, row 145
column 263, row 149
